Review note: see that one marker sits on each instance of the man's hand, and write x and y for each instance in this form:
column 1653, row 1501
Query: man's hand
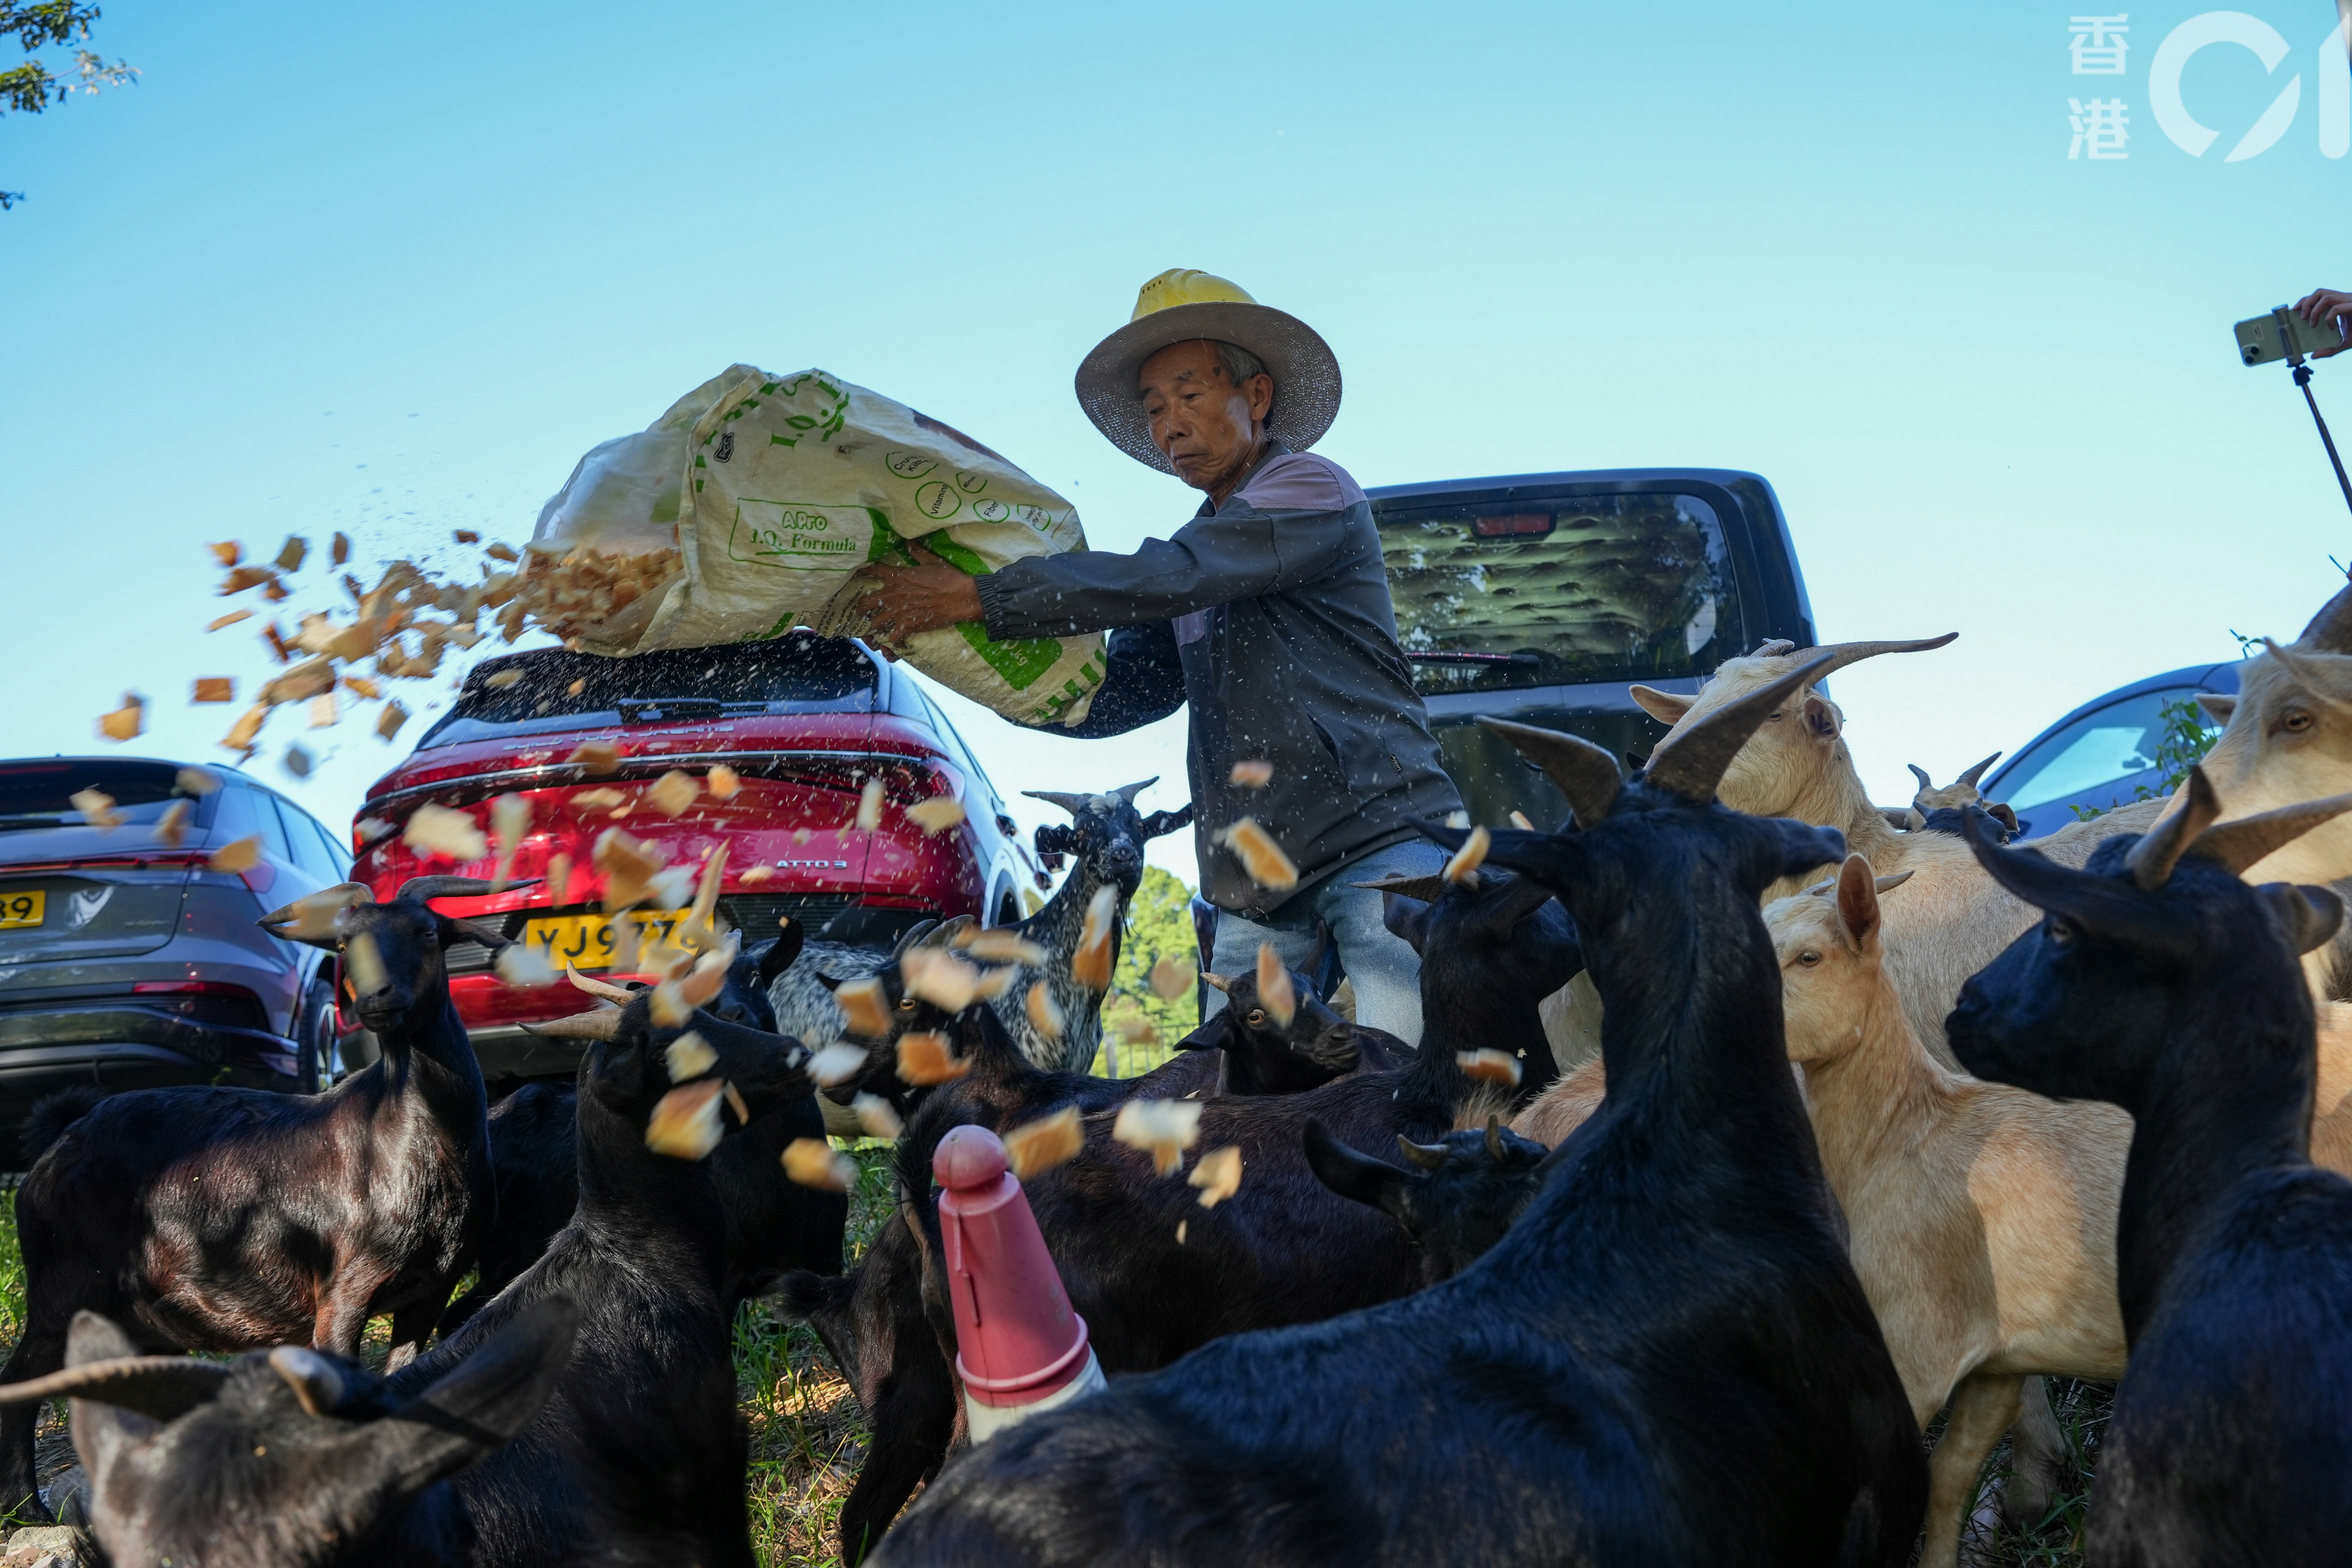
column 923, row 597
column 2325, row 307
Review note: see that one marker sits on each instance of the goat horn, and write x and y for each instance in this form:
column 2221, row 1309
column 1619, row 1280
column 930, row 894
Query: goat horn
column 2308, row 678
column 2238, row 845
column 1494, row 1139
column 1773, row 647
column 2330, row 631
column 1843, row 654
column 1888, row 884
column 1585, row 773
column 603, row 1024
column 312, row 919
column 424, row 890
column 317, row 1381
column 1219, row 981
column 1428, row 890
column 1422, row 1156
column 604, row 988
column 1127, row 793
column 1692, row 764
column 1970, row 777
column 161, row 1386
column 1926, row 783
column 2160, row 848
column 1076, row 804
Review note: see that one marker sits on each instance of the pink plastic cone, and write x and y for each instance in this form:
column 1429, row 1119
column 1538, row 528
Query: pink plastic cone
column 1019, row 1347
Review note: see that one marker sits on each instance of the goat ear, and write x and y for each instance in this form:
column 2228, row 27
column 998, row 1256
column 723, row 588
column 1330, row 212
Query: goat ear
column 1161, row 823
column 2218, row 705
column 2111, row 910
column 1666, row 707
column 2309, row 916
column 1406, row 918
column 783, row 953
column 1355, row 1176
column 1821, row 717
column 2001, row 812
column 492, row 1395
column 1857, row 901
column 1552, row 859
column 1217, row 1035
column 1055, row 838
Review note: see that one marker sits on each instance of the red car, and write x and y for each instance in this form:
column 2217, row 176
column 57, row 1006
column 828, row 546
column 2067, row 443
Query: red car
column 803, row 721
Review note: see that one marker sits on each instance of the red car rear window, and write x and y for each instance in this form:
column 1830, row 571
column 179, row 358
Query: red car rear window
column 796, row 673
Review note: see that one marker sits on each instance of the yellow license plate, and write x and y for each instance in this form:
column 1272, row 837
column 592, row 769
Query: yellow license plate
column 23, row 908
column 585, row 941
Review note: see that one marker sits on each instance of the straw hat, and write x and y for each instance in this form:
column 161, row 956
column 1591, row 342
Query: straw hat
column 1182, row 305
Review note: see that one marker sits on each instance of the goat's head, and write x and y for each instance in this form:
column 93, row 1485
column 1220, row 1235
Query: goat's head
column 1827, row 940
column 883, row 1000
column 1265, row 1055
column 1497, row 931
column 2288, row 737
column 633, row 1065
column 391, row 952
column 1107, row 833
column 1455, row 1198
column 291, row 1457
column 1797, row 745
column 2080, row 1006
column 1663, row 827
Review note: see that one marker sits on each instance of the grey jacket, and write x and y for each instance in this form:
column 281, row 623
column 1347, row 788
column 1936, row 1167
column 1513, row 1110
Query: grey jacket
column 1270, row 616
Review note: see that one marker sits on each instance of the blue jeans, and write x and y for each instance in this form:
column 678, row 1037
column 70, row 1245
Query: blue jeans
column 1385, row 970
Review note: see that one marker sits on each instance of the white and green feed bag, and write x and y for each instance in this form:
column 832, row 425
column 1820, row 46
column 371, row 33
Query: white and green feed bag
column 743, row 512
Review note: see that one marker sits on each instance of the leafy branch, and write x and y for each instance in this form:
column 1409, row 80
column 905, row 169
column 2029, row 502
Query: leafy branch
column 30, row 88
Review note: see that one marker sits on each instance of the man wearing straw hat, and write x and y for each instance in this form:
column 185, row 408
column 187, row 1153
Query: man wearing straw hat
column 1268, row 612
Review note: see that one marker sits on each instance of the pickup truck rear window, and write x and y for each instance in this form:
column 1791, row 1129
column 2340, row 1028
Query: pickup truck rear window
column 1527, row 592
column 796, row 673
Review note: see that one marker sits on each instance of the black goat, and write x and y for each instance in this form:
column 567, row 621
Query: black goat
column 1153, row 1273
column 1455, row 1198
column 1107, row 836
column 172, row 1444
column 773, row 1224
column 638, row 1457
column 1666, row 1361
column 1265, row 1055
column 224, row 1219
column 2160, row 982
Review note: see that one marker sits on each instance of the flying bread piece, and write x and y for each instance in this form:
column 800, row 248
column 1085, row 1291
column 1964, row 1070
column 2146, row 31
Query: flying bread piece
column 1218, row 1175
column 1165, row 1128
column 685, row 1125
column 1048, row 1141
column 1260, row 856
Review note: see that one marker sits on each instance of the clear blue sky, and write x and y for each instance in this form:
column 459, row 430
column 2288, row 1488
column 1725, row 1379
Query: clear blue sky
column 391, row 269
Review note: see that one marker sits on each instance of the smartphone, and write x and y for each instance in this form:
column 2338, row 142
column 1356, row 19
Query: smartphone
column 2266, row 337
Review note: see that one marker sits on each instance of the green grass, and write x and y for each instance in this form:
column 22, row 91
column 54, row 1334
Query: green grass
column 808, row 1436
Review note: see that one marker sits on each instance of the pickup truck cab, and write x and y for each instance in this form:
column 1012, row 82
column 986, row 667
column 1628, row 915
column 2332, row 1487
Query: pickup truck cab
column 1542, row 598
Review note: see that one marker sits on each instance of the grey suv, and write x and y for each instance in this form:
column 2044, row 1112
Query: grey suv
column 127, row 962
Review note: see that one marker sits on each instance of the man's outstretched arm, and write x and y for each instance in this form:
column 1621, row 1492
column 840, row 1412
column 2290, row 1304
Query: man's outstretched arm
column 1145, row 683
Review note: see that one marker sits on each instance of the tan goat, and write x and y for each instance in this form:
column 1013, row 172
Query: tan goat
column 1981, row 1218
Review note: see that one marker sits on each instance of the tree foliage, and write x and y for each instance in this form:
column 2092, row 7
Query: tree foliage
column 30, row 88
column 1158, row 925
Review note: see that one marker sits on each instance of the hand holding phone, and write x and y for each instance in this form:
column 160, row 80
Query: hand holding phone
column 2313, row 328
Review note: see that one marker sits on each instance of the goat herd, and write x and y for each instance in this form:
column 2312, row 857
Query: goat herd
column 1689, row 1305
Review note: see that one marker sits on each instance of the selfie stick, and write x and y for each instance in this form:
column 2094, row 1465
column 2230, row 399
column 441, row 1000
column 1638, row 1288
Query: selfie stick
column 2303, row 380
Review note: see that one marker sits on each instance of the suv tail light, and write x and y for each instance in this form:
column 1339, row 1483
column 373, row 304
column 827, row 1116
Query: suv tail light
column 208, row 1001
